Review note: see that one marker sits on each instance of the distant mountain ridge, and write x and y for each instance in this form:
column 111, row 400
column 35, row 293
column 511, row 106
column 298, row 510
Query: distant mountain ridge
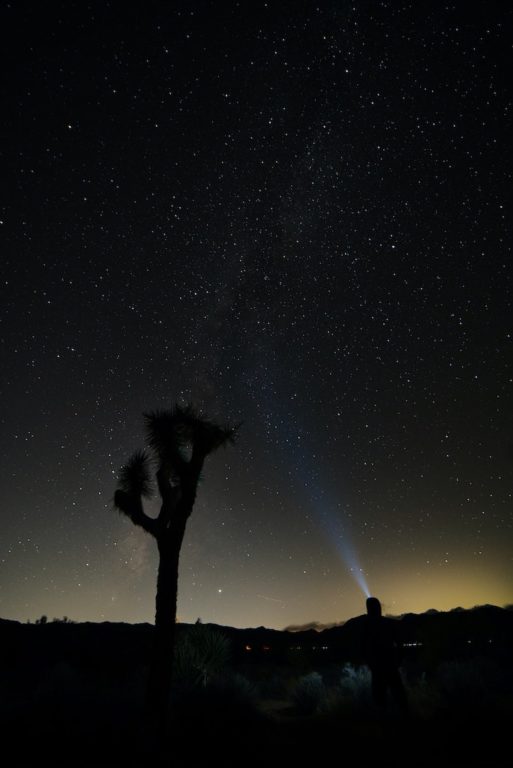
column 449, row 634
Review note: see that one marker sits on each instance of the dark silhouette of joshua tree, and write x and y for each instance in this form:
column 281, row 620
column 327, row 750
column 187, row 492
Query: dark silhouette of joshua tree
column 179, row 441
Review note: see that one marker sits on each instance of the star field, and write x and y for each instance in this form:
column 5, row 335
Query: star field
column 297, row 216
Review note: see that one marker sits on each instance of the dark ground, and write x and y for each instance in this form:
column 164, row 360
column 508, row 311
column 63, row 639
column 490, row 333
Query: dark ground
column 271, row 740
column 73, row 695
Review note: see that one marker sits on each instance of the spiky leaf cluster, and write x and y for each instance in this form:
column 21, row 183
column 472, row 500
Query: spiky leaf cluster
column 171, row 432
column 179, row 440
column 135, row 476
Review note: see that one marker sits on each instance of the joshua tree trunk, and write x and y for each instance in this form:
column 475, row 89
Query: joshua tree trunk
column 180, row 440
column 165, row 621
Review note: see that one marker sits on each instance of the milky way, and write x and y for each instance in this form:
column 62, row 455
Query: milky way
column 297, row 216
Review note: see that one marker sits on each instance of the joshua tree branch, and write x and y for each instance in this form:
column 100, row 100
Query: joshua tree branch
column 132, row 508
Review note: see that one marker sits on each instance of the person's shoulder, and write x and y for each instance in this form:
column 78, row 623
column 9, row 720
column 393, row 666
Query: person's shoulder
column 355, row 625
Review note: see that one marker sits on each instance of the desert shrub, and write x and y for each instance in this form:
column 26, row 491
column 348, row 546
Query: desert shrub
column 356, row 682
column 275, row 686
column 475, row 685
column 234, row 693
column 424, row 697
column 309, row 693
column 352, row 692
column 200, row 653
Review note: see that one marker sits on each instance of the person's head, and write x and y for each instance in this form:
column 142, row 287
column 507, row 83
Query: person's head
column 373, row 606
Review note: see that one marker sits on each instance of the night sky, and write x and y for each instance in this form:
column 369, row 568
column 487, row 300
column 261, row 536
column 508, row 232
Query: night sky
column 291, row 214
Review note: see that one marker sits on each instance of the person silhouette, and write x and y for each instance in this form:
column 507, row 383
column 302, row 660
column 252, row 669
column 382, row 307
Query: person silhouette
column 381, row 651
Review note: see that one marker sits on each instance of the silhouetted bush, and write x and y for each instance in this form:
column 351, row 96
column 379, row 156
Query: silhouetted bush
column 424, row 697
column 356, row 683
column 200, row 653
column 472, row 686
column 234, row 694
column 309, row 693
column 274, row 686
